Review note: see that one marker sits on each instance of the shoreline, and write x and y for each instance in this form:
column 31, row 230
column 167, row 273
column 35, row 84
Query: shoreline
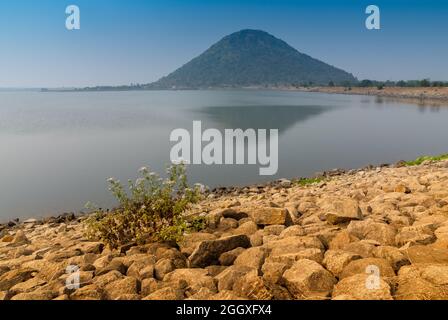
column 419, row 95
column 258, row 245
column 218, row 191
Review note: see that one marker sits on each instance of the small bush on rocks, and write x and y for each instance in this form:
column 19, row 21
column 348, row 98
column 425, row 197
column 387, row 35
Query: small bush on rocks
column 151, row 211
column 422, row 159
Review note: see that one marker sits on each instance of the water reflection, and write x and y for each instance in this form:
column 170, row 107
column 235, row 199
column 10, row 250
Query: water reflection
column 261, row 117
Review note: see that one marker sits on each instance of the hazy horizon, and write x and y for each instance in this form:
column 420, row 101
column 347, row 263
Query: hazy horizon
column 122, row 43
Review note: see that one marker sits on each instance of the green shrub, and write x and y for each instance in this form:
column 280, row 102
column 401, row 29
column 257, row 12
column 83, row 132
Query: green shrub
column 422, row 159
column 307, row 181
column 151, row 211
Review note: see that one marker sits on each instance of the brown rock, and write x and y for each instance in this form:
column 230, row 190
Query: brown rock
column 39, row 295
column 228, row 258
column 208, row 252
column 273, row 271
column 415, row 235
column 293, row 231
column 90, row 292
column 114, row 265
column 232, row 213
column 307, row 279
column 102, row 281
column 195, row 279
column 162, row 268
column 28, row 285
column 422, row 282
column 149, row 286
column 426, row 254
column 227, row 278
column 247, row 228
column 393, row 255
column 357, row 287
column 252, row 287
column 252, row 258
column 226, row 295
column 361, row 266
column 166, row 293
column 336, row 260
column 269, row 216
column 125, row 286
column 341, row 210
column 381, row 232
column 11, row 278
column 341, row 240
column 191, row 241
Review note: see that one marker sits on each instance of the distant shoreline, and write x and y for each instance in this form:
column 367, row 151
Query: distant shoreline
column 431, row 95
column 436, row 95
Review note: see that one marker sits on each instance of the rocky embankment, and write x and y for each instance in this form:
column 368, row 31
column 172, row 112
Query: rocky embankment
column 428, row 95
column 274, row 242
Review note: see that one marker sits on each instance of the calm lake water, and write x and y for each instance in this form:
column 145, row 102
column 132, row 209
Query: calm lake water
column 58, row 149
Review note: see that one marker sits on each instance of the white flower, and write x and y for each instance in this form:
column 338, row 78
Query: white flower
column 180, row 161
column 143, row 170
column 111, row 180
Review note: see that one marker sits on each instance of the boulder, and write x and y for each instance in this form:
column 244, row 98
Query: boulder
column 228, row 258
column 195, row 279
column 252, row 258
column 252, row 287
column 362, row 266
column 269, row 216
column 341, row 240
column 191, row 240
column 422, row 282
column 149, row 286
column 28, row 285
column 341, row 210
column 233, row 214
column 364, row 248
column 39, row 295
column 370, row 230
column 393, row 255
column 208, row 252
column 357, row 287
column 125, row 286
column 426, row 254
column 336, row 260
column 90, row 292
column 248, row 228
column 227, row 278
column 293, row 231
column 421, row 234
column 307, row 279
column 163, row 267
column 13, row 277
column 166, row 293
column 114, row 265
column 273, row 271
column 102, row 281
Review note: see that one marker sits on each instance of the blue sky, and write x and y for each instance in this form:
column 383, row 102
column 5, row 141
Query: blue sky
column 124, row 41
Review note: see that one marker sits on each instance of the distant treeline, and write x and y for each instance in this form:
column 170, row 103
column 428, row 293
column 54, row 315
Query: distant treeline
column 402, row 83
column 378, row 84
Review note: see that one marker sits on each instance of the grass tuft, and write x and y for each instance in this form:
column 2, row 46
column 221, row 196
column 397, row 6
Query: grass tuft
column 307, row 181
column 422, row 159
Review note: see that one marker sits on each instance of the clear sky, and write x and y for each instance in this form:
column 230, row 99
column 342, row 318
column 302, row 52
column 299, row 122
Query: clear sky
column 137, row 41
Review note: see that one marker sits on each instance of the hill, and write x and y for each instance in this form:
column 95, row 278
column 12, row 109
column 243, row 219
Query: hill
column 252, row 58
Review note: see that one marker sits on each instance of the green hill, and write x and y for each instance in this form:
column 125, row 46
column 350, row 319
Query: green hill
column 252, row 58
